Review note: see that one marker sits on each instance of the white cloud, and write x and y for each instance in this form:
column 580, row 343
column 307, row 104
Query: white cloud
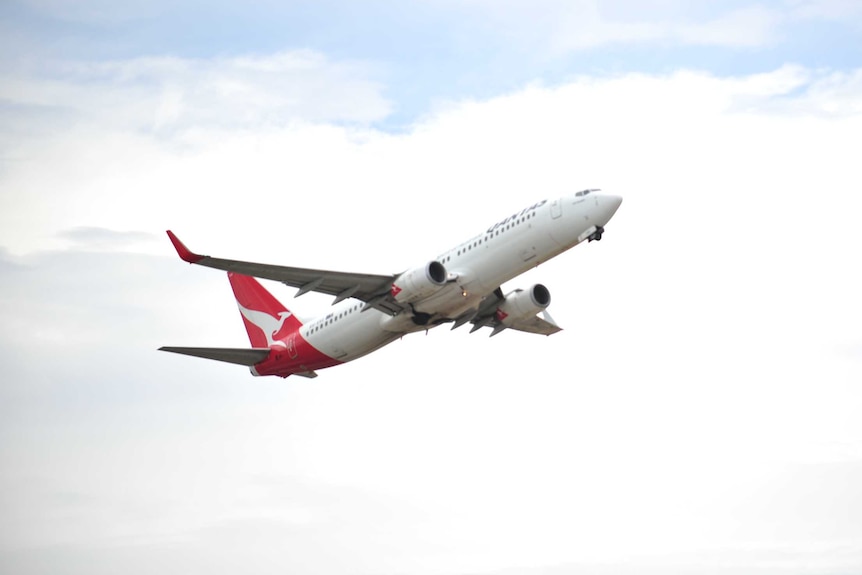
column 585, row 27
column 121, row 127
column 844, row 10
column 161, row 94
column 94, row 11
column 560, row 27
column 745, row 27
column 704, row 356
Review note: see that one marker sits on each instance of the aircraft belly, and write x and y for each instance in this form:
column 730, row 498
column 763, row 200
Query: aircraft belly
column 356, row 338
column 298, row 357
column 506, row 260
column 369, row 345
column 449, row 300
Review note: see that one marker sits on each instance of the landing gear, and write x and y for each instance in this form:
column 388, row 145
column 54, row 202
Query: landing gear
column 420, row 317
column 596, row 235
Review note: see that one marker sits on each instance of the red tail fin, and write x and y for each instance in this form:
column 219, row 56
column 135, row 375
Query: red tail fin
column 265, row 319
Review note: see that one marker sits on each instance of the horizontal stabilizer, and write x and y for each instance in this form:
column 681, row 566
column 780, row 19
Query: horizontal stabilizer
column 241, row 356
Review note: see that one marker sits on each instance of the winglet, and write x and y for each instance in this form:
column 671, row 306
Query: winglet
column 185, row 253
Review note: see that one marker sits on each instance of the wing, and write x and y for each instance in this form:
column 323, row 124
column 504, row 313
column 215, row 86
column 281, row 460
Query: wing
column 487, row 316
column 544, row 325
column 370, row 288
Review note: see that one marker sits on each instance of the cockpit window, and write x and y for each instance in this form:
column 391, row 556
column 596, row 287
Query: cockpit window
column 586, row 192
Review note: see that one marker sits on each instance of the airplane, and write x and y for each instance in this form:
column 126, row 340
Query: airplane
column 460, row 286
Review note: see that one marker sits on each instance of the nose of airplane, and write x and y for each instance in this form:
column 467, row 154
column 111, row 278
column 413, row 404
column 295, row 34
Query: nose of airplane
column 608, row 205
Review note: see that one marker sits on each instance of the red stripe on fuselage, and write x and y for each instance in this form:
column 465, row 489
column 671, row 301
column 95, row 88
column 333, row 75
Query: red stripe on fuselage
column 296, row 356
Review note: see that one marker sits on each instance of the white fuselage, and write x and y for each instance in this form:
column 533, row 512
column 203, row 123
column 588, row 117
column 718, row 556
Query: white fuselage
column 476, row 268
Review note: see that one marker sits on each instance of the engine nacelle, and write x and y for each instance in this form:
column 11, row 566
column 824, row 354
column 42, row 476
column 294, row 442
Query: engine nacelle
column 522, row 304
column 419, row 282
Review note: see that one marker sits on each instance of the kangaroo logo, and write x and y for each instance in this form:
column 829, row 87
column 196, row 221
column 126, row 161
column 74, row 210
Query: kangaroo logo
column 269, row 325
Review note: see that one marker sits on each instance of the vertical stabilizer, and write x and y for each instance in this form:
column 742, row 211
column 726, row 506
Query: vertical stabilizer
column 266, row 320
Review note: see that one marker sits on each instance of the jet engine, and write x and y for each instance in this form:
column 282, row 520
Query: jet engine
column 522, row 304
column 419, row 282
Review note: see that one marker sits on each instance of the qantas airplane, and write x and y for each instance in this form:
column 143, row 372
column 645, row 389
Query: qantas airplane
column 460, row 286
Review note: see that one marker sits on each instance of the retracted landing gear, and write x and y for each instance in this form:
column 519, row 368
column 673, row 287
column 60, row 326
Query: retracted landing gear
column 597, row 235
column 419, row 317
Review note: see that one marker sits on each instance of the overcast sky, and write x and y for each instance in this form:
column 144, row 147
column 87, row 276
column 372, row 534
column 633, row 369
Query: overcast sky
column 700, row 412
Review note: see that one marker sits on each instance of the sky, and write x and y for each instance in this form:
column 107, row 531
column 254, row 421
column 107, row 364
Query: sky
column 698, row 414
